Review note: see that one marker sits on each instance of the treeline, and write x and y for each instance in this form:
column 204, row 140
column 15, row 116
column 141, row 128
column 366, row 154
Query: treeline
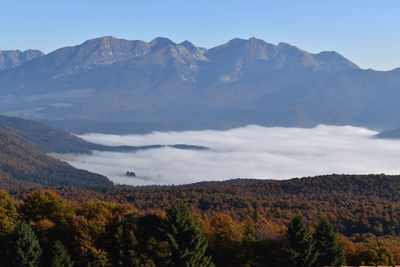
column 45, row 230
column 355, row 204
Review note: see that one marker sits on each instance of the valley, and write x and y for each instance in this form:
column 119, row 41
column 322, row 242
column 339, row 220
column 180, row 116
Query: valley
column 199, row 134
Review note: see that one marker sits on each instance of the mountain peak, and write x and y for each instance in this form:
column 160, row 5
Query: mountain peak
column 188, row 45
column 255, row 40
column 235, row 42
column 13, row 58
column 161, row 42
column 240, row 41
column 283, row 44
column 104, row 40
column 335, row 60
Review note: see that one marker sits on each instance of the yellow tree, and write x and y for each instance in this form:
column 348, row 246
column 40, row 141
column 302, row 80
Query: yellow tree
column 224, row 240
column 8, row 213
column 46, row 205
column 89, row 228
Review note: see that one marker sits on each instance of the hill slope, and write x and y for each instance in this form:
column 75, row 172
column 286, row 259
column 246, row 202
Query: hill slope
column 21, row 161
column 45, row 138
column 356, row 203
column 51, row 139
column 240, row 82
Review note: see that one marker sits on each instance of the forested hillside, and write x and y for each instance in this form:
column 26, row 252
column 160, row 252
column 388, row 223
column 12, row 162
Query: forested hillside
column 51, row 139
column 20, row 160
column 50, row 231
column 45, row 138
column 357, row 204
column 243, row 222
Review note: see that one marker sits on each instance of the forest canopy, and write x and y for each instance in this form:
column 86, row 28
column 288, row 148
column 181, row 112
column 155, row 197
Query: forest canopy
column 46, row 230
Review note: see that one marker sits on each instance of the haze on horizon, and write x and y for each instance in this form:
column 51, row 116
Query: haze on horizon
column 363, row 31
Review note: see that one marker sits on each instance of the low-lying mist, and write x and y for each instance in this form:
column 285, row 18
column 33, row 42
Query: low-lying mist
column 247, row 152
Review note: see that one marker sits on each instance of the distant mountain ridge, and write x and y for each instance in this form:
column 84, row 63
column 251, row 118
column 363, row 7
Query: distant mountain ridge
column 237, row 83
column 14, row 58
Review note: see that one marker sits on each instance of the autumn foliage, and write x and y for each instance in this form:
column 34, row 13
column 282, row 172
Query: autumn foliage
column 105, row 233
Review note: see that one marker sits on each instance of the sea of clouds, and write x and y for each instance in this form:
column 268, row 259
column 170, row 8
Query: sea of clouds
column 246, row 152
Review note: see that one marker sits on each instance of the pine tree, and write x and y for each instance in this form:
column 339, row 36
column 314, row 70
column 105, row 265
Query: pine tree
column 23, row 249
column 124, row 244
column 301, row 251
column 330, row 251
column 185, row 238
column 61, row 257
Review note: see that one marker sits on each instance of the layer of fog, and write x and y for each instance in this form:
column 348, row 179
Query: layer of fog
column 247, row 152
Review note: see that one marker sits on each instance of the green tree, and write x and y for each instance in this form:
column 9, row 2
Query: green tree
column 23, row 249
column 330, row 251
column 151, row 240
column 124, row 248
column 185, row 238
column 301, row 251
column 377, row 254
column 61, row 257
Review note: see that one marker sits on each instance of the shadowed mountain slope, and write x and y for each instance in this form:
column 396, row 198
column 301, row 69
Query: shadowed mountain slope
column 19, row 160
column 50, row 139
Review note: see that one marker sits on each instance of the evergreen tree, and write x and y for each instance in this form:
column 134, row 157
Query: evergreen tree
column 330, row 251
column 301, row 251
column 123, row 246
column 152, row 242
column 23, row 249
column 61, row 257
column 185, row 238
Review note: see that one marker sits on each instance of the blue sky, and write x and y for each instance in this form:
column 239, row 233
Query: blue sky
column 365, row 31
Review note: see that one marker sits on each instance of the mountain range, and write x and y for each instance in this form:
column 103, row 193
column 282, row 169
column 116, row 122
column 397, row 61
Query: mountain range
column 237, row 83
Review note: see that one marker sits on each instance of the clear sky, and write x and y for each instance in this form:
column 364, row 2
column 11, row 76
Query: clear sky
column 365, row 31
